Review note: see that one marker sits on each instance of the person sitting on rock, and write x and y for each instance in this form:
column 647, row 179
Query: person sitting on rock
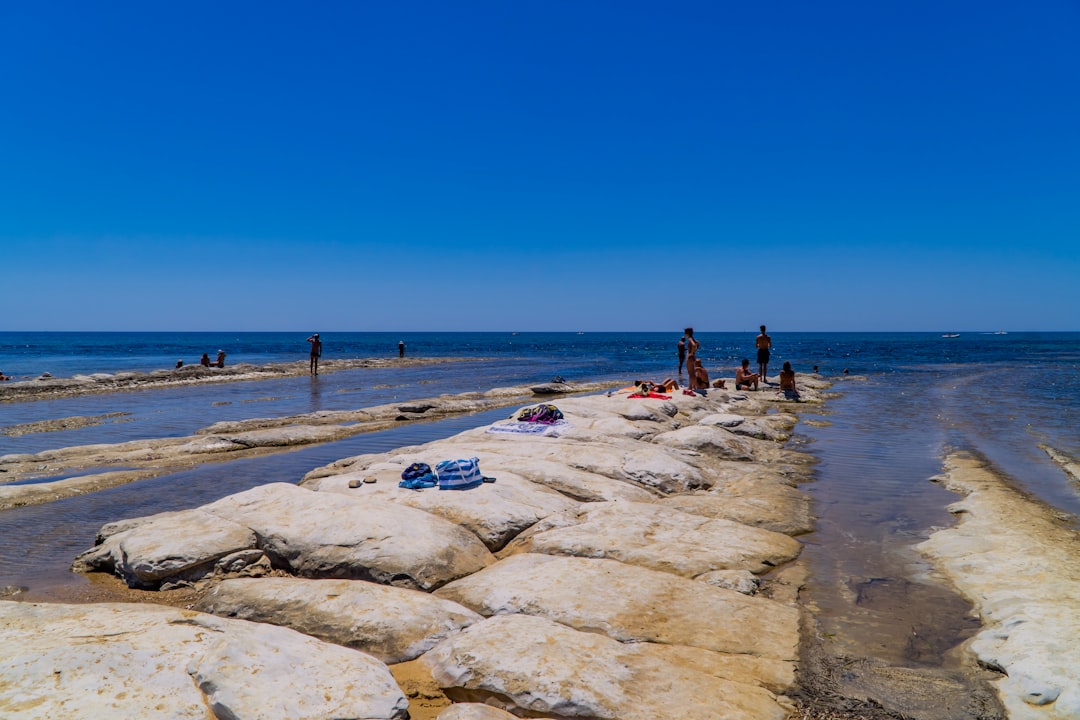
column 220, row 362
column 787, row 382
column 743, row 376
column 699, row 377
column 204, row 360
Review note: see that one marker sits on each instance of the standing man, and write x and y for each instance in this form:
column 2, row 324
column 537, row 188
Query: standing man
column 682, row 353
column 764, row 345
column 401, row 348
column 316, row 353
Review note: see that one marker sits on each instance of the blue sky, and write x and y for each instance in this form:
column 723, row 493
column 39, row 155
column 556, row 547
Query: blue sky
column 540, row 166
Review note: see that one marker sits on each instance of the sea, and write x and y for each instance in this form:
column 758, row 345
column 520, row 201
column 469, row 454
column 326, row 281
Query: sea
column 902, row 402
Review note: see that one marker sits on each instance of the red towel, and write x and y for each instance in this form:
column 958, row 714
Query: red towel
column 654, row 396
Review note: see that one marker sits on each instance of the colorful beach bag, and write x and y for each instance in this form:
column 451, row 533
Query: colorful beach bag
column 459, row 474
column 543, row 413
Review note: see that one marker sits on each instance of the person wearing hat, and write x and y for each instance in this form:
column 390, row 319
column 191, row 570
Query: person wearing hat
column 401, row 349
column 316, row 353
column 220, row 362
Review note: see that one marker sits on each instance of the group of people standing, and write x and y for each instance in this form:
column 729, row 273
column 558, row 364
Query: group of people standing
column 688, row 347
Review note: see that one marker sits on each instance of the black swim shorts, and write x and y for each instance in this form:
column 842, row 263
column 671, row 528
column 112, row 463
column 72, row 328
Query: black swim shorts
column 763, row 356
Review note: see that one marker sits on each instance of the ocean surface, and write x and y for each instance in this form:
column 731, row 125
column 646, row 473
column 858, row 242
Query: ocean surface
column 908, row 399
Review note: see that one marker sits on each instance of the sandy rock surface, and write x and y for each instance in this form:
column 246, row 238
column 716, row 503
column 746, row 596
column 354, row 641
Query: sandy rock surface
column 141, row 661
column 630, row 604
column 393, row 624
column 474, row 711
column 654, row 536
column 584, row 675
column 1020, row 566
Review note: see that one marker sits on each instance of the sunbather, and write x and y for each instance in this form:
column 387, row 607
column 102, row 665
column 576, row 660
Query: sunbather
column 743, row 376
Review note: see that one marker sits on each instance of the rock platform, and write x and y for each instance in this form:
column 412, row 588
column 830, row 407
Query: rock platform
column 638, row 560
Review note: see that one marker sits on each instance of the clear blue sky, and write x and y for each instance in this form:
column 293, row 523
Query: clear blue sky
column 540, row 166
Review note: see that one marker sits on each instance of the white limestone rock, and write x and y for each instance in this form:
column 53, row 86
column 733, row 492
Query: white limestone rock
column 393, row 624
column 185, row 544
column 123, row 661
column 741, row 581
column 327, row 535
column 533, row 666
column 709, row 439
column 725, row 420
column 474, row 711
column 495, row 512
column 574, row 483
column 1020, row 567
column 767, row 503
column 657, row 537
column 630, row 604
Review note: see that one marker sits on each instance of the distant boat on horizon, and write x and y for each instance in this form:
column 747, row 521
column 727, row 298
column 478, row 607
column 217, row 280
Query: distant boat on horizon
column 951, row 335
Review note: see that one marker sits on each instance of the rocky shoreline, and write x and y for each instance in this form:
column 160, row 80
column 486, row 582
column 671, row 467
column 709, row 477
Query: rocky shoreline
column 47, row 387
column 90, row 468
column 639, row 562
column 1018, row 562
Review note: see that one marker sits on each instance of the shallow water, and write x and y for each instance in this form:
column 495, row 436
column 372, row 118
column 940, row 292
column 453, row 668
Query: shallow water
column 40, row 541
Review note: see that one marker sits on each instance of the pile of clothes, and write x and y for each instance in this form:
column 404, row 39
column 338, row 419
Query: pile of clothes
column 447, row 475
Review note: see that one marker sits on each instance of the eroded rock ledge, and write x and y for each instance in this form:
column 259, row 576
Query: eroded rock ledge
column 615, row 568
column 141, row 459
column 1019, row 564
column 47, row 387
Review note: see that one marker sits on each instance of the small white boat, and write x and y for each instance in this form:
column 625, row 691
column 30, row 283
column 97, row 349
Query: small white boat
column 951, row 335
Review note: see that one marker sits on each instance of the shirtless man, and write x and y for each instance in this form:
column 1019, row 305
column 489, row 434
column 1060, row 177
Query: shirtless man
column 316, row 353
column 743, row 376
column 763, row 343
column 681, row 350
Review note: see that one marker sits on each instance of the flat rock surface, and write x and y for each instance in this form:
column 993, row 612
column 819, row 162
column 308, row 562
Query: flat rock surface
column 657, row 537
column 144, row 661
column 630, row 604
column 495, row 512
column 584, row 675
column 393, row 624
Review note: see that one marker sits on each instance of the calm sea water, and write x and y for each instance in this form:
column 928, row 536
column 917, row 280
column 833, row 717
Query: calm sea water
column 919, row 395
